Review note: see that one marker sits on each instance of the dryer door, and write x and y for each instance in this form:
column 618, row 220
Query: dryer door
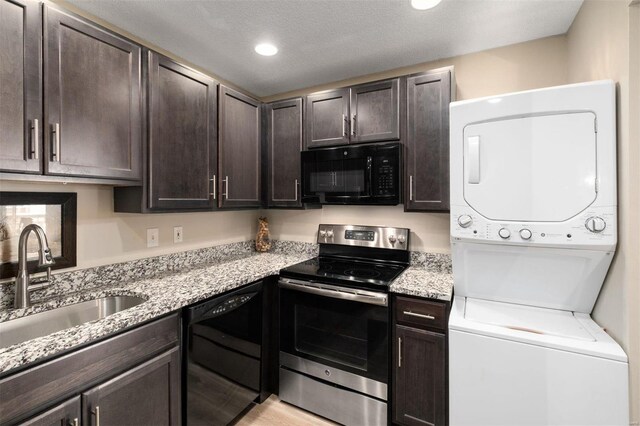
column 531, row 169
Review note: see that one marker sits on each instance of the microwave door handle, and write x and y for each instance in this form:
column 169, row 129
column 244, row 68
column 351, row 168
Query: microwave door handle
column 370, row 176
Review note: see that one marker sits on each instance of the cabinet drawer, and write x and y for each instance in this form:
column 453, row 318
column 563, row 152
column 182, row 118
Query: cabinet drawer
column 421, row 313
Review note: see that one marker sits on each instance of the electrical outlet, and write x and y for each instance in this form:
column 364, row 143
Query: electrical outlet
column 177, row 234
column 153, row 237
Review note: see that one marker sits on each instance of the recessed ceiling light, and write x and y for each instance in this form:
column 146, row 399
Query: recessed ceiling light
column 266, row 49
column 424, row 4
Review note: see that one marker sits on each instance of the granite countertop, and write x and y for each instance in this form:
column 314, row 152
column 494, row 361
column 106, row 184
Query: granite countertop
column 170, row 282
column 428, row 276
column 423, row 281
column 164, row 293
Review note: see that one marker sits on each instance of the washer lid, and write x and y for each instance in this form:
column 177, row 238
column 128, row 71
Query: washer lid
column 562, row 330
column 541, row 321
column 538, row 168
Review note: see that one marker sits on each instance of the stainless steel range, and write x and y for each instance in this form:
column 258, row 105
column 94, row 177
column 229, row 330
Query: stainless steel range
column 334, row 323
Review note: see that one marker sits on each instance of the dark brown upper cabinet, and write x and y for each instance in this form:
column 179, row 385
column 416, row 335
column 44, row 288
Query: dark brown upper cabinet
column 239, row 150
column 284, row 143
column 375, row 112
column 427, row 141
column 21, row 83
column 327, row 119
column 181, row 135
column 92, row 111
column 365, row 113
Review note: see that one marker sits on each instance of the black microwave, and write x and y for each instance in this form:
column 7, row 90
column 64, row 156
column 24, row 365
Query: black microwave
column 358, row 174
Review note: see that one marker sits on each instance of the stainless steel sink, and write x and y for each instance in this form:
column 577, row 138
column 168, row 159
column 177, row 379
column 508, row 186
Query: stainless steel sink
column 43, row 323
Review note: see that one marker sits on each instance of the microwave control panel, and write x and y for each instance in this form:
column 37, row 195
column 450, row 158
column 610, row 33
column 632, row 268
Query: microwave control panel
column 386, row 177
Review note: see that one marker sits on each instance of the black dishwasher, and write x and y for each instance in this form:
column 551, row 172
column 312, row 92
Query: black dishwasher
column 223, row 352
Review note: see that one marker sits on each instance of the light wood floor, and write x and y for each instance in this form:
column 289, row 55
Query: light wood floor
column 274, row 412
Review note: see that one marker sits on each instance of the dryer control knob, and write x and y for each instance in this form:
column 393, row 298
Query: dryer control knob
column 595, row 224
column 465, row 220
column 525, row 234
column 504, row 233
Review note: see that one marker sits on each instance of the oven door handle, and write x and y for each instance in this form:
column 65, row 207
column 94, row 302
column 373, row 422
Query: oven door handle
column 354, row 295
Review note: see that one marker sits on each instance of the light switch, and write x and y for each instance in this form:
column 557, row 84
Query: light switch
column 177, row 234
column 153, row 237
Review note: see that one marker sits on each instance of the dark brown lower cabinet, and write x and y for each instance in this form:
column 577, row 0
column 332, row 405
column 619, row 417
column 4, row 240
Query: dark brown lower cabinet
column 420, row 362
column 145, row 395
column 132, row 378
column 65, row 414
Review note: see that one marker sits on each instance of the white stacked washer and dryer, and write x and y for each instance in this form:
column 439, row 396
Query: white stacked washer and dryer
column 533, row 232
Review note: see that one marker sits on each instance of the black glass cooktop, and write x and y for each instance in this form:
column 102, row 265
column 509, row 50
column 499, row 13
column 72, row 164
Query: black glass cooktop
column 351, row 273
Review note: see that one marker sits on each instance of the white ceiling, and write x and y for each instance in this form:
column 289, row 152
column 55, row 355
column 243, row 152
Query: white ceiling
column 327, row 40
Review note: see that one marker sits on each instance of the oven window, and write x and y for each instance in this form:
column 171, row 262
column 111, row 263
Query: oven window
column 347, row 335
column 332, row 336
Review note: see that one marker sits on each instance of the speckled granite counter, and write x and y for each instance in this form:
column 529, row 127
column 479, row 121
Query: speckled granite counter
column 173, row 281
column 164, row 292
column 428, row 276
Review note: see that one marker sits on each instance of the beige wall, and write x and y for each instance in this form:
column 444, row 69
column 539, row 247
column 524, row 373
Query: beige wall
column 106, row 237
column 603, row 43
column 534, row 64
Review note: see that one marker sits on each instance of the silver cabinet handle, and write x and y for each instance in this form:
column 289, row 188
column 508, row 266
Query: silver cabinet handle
column 344, row 119
column 413, row 314
column 411, row 188
column 399, row 352
column 353, row 125
column 96, row 413
column 55, row 149
column 213, row 182
column 296, row 189
column 33, row 153
column 73, row 422
column 226, row 187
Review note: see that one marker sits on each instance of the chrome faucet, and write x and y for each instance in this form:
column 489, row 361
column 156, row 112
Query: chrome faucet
column 22, row 299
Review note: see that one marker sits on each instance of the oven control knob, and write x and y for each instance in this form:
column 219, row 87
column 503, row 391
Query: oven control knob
column 504, row 233
column 465, row 221
column 329, row 233
column 323, row 233
column 392, row 239
column 401, row 239
column 595, row 224
column 525, row 234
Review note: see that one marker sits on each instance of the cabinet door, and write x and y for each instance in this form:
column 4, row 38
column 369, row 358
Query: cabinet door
column 92, row 100
column 327, row 119
column 239, row 148
column 182, row 135
column 375, row 112
column 20, row 86
column 148, row 394
column 65, row 414
column 419, row 381
column 284, row 139
column 427, row 146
